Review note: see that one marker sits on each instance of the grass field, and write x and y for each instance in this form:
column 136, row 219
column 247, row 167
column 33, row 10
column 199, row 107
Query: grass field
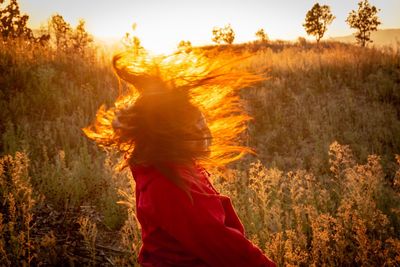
column 323, row 189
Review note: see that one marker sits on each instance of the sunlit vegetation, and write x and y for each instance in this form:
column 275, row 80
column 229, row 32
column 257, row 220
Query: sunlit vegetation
column 323, row 189
column 185, row 46
column 223, row 35
column 262, row 36
column 14, row 24
column 365, row 20
column 317, row 20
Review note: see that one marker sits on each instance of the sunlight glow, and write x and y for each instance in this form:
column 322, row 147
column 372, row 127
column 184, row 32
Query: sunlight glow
column 161, row 25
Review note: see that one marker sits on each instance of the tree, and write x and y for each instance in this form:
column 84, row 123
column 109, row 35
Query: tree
column 185, row 46
column 365, row 20
column 61, row 31
column 132, row 42
column 225, row 34
column 262, row 36
column 317, row 20
column 80, row 37
column 302, row 41
column 66, row 38
column 12, row 23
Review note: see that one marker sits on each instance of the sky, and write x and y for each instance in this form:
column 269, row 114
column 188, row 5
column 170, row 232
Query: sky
column 161, row 24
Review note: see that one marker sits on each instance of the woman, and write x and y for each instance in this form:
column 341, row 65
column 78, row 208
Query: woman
column 165, row 126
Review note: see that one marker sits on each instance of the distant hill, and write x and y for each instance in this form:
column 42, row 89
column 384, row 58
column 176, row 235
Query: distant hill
column 380, row 37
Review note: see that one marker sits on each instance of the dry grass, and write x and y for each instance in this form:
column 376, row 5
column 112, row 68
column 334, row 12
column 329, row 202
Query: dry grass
column 324, row 189
column 349, row 218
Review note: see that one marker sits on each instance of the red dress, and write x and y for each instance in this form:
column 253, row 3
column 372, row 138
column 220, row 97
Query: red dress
column 179, row 232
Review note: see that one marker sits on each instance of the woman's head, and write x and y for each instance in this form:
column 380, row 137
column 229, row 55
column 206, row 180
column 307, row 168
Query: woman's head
column 182, row 108
column 163, row 127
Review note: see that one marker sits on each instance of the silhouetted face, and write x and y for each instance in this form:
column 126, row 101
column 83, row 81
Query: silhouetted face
column 201, row 139
column 205, row 132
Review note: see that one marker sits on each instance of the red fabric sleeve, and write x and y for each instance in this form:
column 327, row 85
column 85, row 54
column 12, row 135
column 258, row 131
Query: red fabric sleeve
column 231, row 218
column 199, row 226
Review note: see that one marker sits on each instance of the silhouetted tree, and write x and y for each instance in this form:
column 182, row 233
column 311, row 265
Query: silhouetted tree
column 317, row 20
column 185, row 46
column 217, row 35
column 61, row 31
column 67, row 39
column 302, row 41
column 365, row 20
column 225, row 34
column 80, row 37
column 44, row 35
column 12, row 23
column 262, row 36
column 131, row 41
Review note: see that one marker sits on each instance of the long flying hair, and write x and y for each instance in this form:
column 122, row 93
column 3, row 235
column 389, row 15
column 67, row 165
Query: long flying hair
column 155, row 121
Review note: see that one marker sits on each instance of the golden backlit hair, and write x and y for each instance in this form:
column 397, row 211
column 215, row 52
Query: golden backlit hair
column 153, row 122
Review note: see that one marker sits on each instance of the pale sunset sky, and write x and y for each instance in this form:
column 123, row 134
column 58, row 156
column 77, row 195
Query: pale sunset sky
column 162, row 24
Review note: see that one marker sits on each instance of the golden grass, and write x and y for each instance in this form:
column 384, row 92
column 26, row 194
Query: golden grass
column 324, row 189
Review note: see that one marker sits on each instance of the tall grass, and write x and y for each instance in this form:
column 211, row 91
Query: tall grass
column 316, row 96
column 47, row 97
column 350, row 218
column 323, row 190
column 16, row 210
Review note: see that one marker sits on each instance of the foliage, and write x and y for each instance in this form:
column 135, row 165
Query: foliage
column 302, row 41
column 80, row 38
column 14, row 25
column 313, row 96
column 16, row 206
column 61, row 31
column 67, row 39
column 46, row 99
column 305, row 200
column 185, row 46
column 19, row 243
column 132, row 42
column 88, row 230
column 300, row 219
column 225, row 34
column 317, row 20
column 262, row 36
column 365, row 20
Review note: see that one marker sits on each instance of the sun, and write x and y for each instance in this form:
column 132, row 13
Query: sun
column 155, row 46
column 150, row 43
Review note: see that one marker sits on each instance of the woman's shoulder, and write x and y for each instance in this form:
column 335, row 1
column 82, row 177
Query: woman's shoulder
column 146, row 174
column 150, row 178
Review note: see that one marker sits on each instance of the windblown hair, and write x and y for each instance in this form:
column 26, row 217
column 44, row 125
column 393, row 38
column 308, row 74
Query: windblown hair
column 154, row 123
